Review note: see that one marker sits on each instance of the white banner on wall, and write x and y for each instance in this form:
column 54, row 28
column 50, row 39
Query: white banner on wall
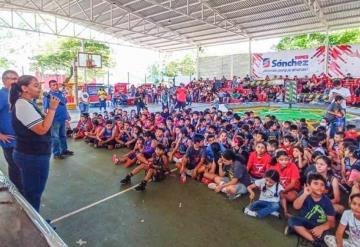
column 292, row 63
column 344, row 59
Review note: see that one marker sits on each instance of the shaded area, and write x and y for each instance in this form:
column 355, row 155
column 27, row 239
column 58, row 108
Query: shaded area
column 151, row 218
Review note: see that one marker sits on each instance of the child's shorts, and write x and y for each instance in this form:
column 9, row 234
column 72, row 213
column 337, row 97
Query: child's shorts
column 132, row 155
column 239, row 189
column 300, row 221
column 159, row 176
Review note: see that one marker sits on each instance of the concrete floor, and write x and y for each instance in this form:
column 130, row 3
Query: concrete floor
column 151, row 218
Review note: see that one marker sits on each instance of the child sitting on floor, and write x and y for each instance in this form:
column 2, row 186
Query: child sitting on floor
column 84, row 125
column 233, row 178
column 106, row 136
column 258, row 161
column 155, row 169
column 289, row 178
column 192, row 158
column 317, row 214
column 269, row 201
column 350, row 169
column 350, row 219
column 130, row 158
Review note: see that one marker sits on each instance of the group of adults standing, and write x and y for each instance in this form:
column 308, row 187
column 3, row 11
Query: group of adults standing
column 28, row 135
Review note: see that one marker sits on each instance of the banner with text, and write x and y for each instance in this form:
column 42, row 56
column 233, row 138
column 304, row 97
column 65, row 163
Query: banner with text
column 292, row 63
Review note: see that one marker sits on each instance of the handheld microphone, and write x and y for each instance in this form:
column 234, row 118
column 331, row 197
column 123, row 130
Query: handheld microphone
column 48, row 96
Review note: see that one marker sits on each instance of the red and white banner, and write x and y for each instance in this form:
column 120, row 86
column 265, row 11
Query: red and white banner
column 292, row 63
column 344, row 59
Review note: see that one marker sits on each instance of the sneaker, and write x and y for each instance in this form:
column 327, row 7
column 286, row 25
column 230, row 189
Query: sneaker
column 246, row 210
column 58, row 157
column 233, row 197
column 212, row 186
column 276, row 214
column 126, row 180
column 183, row 178
column 141, row 187
column 68, row 152
column 250, row 213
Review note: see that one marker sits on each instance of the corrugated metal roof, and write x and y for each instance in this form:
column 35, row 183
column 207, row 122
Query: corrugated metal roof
column 180, row 24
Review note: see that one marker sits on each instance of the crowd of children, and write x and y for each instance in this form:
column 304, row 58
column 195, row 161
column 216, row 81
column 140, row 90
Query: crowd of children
column 301, row 171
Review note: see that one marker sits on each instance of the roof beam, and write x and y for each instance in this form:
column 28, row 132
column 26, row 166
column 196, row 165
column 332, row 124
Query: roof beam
column 148, row 20
column 316, row 9
column 223, row 13
column 229, row 26
column 96, row 25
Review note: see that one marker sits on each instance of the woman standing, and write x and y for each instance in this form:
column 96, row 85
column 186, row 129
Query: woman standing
column 33, row 137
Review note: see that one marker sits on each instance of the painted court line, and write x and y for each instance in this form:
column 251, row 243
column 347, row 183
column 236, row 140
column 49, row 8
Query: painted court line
column 96, row 203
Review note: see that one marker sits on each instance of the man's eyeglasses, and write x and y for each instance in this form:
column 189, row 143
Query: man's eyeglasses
column 12, row 78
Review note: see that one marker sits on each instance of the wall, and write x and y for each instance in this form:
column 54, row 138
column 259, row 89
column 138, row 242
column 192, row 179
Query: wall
column 217, row 66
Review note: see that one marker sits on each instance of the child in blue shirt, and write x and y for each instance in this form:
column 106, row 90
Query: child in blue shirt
column 317, row 214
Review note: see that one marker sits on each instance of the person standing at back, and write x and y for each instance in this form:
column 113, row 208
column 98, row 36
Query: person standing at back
column 33, row 138
column 342, row 91
column 102, row 98
column 58, row 129
column 7, row 134
column 181, row 93
column 83, row 102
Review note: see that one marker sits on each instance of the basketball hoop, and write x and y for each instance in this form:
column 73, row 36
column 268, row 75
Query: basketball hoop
column 89, row 60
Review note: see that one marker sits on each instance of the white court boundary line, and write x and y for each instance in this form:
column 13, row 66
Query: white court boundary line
column 96, row 203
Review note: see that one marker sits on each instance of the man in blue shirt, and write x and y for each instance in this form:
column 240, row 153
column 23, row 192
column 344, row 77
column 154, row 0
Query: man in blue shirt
column 58, row 130
column 7, row 134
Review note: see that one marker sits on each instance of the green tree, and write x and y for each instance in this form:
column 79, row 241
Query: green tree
column 185, row 66
column 154, row 73
column 313, row 40
column 171, row 69
column 4, row 63
column 60, row 56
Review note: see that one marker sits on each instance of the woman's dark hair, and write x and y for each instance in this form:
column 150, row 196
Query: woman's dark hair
column 16, row 90
column 298, row 147
column 277, row 155
column 216, row 149
column 326, row 159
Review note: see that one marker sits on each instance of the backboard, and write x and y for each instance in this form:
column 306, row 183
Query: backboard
column 89, row 60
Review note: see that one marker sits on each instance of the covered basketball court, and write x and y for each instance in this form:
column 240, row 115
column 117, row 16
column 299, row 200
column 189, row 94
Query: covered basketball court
column 83, row 195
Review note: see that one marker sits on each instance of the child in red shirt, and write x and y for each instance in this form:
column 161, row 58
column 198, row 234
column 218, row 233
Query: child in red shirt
column 289, row 179
column 351, row 132
column 258, row 161
column 84, row 125
column 288, row 145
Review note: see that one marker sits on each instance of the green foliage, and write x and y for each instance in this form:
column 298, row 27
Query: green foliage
column 171, row 69
column 154, row 73
column 61, row 56
column 313, row 40
column 4, row 63
column 186, row 66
